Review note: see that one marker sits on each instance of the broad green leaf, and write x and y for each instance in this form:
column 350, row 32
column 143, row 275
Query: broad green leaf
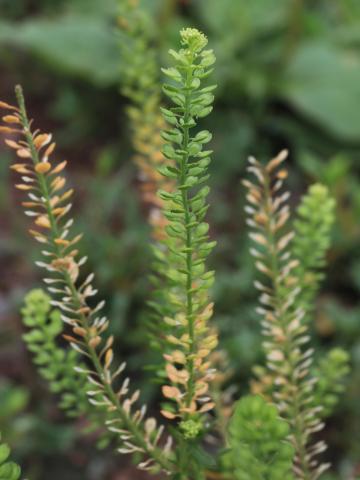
column 242, row 19
column 322, row 82
column 93, row 7
column 82, row 46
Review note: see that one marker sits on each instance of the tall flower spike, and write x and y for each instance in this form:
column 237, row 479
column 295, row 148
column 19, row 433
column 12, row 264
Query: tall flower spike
column 189, row 341
column 141, row 85
column 43, row 181
column 286, row 336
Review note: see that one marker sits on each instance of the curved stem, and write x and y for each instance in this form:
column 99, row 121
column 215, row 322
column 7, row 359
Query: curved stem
column 79, row 302
column 295, row 405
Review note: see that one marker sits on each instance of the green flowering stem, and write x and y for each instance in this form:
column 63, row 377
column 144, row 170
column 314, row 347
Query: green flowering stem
column 185, row 307
column 312, row 226
column 189, row 341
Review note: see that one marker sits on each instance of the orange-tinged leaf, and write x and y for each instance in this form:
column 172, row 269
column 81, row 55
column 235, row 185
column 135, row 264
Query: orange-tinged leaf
column 58, row 183
column 34, row 233
column 42, row 140
column 71, row 339
column 59, row 168
column 74, row 271
column 109, row 358
column 43, row 221
column 167, row 414
column 67, row 195
column 171, row 392
column 8, row 129
column 84, row 310
column 175, row 375
column 201, row 388
column 282, row 174
column 11, row 119
column 54, row 200
column 20, row 168
column 79, row 331
column 12, row 144
column 42, row 167
column 50, row 149
column 207, row 407
column 59, row 211
column 275, row 162
column 177, row 356
column 94, row 342
column 61, row 241
column 22, row 186
column 23, row 153
column 190, row 409
column 7, row 106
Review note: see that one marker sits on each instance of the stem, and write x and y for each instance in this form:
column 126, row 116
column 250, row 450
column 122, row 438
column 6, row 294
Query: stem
column 188, row 243
column 294, row 31
column 78, row 301
column 295, row 405
column 184, row 467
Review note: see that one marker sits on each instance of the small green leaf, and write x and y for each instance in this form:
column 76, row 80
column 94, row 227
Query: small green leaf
column 194, row 148
column 203, row 137
column 203, row 112
column 4, row 453
column 172, row 73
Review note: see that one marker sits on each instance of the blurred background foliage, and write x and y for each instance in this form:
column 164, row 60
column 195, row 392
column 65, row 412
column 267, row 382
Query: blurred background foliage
column 288, row 75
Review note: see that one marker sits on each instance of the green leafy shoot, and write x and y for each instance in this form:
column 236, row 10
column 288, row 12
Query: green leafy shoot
column 58, row 365
column 331, row 371
column 181, row 257
column 312, row 227
column 8, row 469
column 258, row 441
